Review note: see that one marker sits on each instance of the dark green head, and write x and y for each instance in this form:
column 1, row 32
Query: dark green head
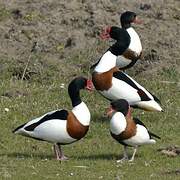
column 120, row 105
column 127, row 18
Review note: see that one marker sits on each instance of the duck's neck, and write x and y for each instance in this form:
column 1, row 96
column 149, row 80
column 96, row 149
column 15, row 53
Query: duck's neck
column 74, row 90
column 125, row 25
column 82, row 113
column 118, row 123
column 75, row 98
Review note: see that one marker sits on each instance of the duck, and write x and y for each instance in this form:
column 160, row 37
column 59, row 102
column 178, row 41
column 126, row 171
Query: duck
column 62, row 126
column 133, row 52
column 127, row 130
column 114, row 84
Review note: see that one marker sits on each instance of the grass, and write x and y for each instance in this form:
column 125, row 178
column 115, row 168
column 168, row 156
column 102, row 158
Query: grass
column 93, row 157
column 4, row 13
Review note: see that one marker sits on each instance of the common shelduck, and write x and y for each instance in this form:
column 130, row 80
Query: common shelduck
column 114, row 84
column 133, row 52
column 61, row 126
column 127, row 130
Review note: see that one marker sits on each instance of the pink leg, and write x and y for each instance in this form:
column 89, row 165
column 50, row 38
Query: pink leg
column 125, row 156
column 58, row 153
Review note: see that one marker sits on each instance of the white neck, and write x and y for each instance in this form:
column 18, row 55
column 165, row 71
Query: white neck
column 107, row 62
column 118, row 123
column 82, row 113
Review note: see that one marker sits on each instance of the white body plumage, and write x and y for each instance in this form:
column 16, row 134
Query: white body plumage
column 118, row 125
column 55, row 130
column 122, row 90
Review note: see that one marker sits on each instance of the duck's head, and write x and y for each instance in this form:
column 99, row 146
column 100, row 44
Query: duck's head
column 127, row 18
column 75, row 86
column 79, row 83
column 120, row 105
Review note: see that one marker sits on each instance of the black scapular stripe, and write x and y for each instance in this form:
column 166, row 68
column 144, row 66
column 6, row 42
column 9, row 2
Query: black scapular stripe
column 155, row 98
column 60, row 115
column 122, row 76
column 137, row 121
column 153, row 135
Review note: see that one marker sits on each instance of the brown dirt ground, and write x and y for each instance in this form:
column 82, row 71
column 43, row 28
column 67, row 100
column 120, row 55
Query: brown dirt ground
column 66, row 27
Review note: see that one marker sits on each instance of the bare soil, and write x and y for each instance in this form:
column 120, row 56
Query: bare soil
column 64, row 28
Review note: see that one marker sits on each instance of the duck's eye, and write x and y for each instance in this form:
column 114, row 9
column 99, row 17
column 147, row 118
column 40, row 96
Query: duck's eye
column 133, row 18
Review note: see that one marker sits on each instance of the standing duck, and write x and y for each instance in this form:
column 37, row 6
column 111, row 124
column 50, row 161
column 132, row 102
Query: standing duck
column 133, row 52
column 61, row 126
column 127, row 130
column 114, row 84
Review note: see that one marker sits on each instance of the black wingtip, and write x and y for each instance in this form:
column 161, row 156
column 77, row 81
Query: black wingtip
column 19, row 127
column 156, row 99
column 154, row 135
column 13, row 131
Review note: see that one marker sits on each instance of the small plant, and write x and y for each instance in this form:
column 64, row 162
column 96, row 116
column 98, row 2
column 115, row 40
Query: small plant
column 4, row 13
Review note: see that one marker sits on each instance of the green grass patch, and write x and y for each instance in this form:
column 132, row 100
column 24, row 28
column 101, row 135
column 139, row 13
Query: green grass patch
column 4, row 13
column 93, row 157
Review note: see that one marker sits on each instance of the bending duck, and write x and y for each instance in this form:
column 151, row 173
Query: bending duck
column 61, row 126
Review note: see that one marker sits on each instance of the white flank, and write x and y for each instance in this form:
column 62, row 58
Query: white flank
column 52, row 130
column 107, row 62
column 117, row 123
column 141, row 137
column 82, row 113
column 121, row 90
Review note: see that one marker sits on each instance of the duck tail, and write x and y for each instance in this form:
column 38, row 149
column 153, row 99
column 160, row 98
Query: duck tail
column 152, row 141
column 153, row 135
column 17, row 129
